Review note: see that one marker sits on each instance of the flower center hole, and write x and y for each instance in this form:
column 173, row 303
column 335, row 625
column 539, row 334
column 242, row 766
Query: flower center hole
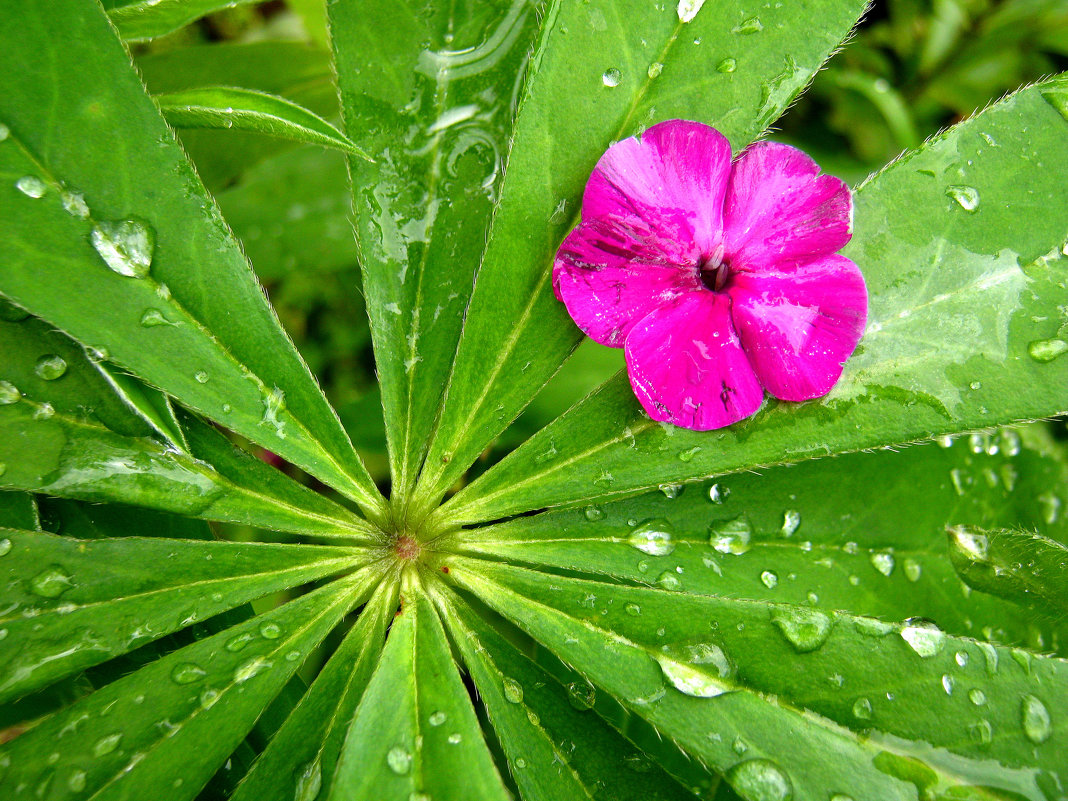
column 714, row 271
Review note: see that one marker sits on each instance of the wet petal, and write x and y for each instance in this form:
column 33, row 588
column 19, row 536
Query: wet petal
column 676, row 166
column 799, row 324
column 687, row 366
column 779, row 209
column 611, row 274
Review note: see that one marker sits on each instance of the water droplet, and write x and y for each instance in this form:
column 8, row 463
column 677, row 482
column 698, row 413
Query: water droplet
column 748, row 27
column 653, row 537
column 913, row 570
column 687, row 9
column 520, row 763
column 399, row 760
column 594, row 513
column 862, row 709
column 309, row 782
column 50, row 367
column 51, row 582
column 76, row 781
column 654, row 70
column 1046, row 350
column 236, row 643
column 972, row 546
column 977, row 696
column 611, row 77
column 9, row 393
column 455, row 738
column 731, row 536
column 688, row 669
column 437, row 718
column 923, row 636
column 5, row 546
column 274, row 403
column 201, row 377
column 188, row 673
column 872, row 627
column 805, row 629
column 5, row 132
column 31, row 186
column 760, row 780
column 153, row 318
column 982, row 732
column 718, row 494
column 966, row 196
column 581, row 695
column 770, row 579
column 270, row 631
column 74, row 204
column 208, row 698
column 44, row 411
column 961, row 658
column 633, row 610
column 125, row 246
column 671, row 491
column 105, row 745
column 1036, row 720
column 791, row 521
column 841, row 797
column 668, row 580
column 883, row 561
column 947, row 683
column 513, row 691
column 727, row 65
column 688, row 454
column 250, row 669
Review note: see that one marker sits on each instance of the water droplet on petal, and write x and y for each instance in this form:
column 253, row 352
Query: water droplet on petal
column 513, row 691
column 31, row 186
column 653, row 537
column 1046, row 350
column 399, row 760
column 188, row 673
column 727, row 65
column 696, row 670
column 125, row 246
column 966, row 196
column 1036, row 721
column 9, row 393
column 50, row 367
column 923, row 636
column 611, row 77
column 51, row 582
column 760, row 780
column 805, row 629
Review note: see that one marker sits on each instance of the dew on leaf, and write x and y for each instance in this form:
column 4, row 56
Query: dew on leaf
column 696, row 669
column 727, row 65
column 76, row 781
column 31, row 186
column 970, row 545
column 805, row 629
column 982, row 732
column 769, row 579
column 883, row 561
column 791, row 521
column 153, row 318
column 873, row 627
column 51, row 582
column 208, row 698
column 1036, row 720
column 668, row 580
column 513, row 691
column 760, row 780
column 611, row 77
column 187, row 673
column 126, row 246
column 5, row 546
column 309, row 782
column 688, row 454
column 731, row 536
column 5, row 132
column 74, row 204
column 718, row 494
column 653, row 537
column 1046, row 350
column 237, row 642
column 250, row 669
column 977, row 696
column 633, row 609
column 437, row 718
column 50, row 367
column 913, row 570
column 923, row 636
column 594, row 513
column 687, row 9
column 967, row 197
column 201, row 377
column 748, row 27
column 947, row 683
column 270, row 631
column 44, row 411
column 455, row 738
column 274, row 403
column 961, row 658
column 9, row 393
column 654, row 70
column 105, row 745
column 399, row 760
column 581, row 695
column 671, row 491
column 862, row 709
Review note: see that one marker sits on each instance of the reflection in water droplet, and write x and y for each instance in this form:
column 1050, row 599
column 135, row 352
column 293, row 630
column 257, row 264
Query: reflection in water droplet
column 31, row 186
column 309, row 782
column 399, row 760
column 9, row 393
column 696, row 669
column 668, row 580
column 581, row 695
column 594, row 513
column 125, row 246
column 1046, row 350
column 437, row 718
column 966, row 196
column 51, row 582
column 5, row 546
column 105, row 745
column 654, row 70
column 74, row 204
column 653, row 537
column 805, row 629
column 923, row 636
column 50, row 367
column 727, row 65
column 977, row 696
column 718, row 494
column 731, row 536
column 748, row 27
column 513, row 691
column 1036, row 720
column 770, row 579
column 862, row 709
column 970, row 545
column 760, row 780
column 187, row 673
column 611, row 77
column 883, row 562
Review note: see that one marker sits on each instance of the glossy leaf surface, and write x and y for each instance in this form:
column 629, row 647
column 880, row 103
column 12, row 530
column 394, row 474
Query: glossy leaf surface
column 147, row 19
column 961, row 298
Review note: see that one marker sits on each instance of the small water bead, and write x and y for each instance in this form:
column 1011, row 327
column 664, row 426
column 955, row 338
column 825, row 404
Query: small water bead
column 731, row 536
column 208, row 698
column 270, row 631
column 977, row 696
column 760, row 780
column 687, row 668
column 309, row 782
column 967, row 197
column 947, row 683
column 513, row 691
column 805, row 629
column 51, row 582
column 44, row 411
column 633, row 609
column 31, row 186
column 718, row 494
column 201, row 377
column 437, row 718
column 251, row 669
column 238, row 642
column 581, row 695
column 687, row 9
column 1036, row 720
column 883, row 561
column 76, row 781
column 688, row 454
column 961, row 658
column 187, row 673
column 274, row 403
column 594, row 513
column 399, row 760
column 455, row 738
column 653, row 537
column 982, row 732
column 923, row 636
column 9, row 393
column 668, row 580
column 1046, row 350
column 769, row 579
column 5, row 132
column 153, row 318
column 125, row 246
column 5, row 546
column 671, row 491
column 913, row 570
column 611, row 77
column 654, row 70
column 74, row 204
column 862, row 709
column 50, row 367
column 105, row 745
column 748, row 27
column 791, row 522
column 727, row 65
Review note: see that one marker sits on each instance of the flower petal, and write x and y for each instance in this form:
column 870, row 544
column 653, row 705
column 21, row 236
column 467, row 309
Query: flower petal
column 610, row 275
column 799, row 324
column 687, row 367
column 676, row 166
column 779, row 209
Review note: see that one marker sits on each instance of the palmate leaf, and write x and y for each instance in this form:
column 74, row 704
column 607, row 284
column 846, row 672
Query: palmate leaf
column 755, row 689
column 601, row 72
column 179, row 305
column 74, row 603
column 862, row 532
column 433, row 103
column 962, row 296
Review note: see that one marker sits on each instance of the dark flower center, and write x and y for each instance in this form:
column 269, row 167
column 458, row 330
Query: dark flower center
column 714, row 270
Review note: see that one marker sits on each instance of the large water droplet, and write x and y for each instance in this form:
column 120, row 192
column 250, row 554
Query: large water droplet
column 805, row 629
column 1046, row 350
column 125, row 246
column 51, row 582
column 966, row 196
column 611, row 77
column 5, row 546
column 653, row 537
column 399, row 760
column 654, row 70
column 270, row 631
column 50, row 367
column 9, row 393
column 977, row 696
column 188, row 673
column 971, row 545
column 913, row 570
column 668, row 580
column 791, row 522
column 513, row 691
column 731, row 536
column 718, row 494
column 581, row 695
column 748, row 27
column 31, row 186
column 769, row 579
column 1036, row 721
column 883, row 561
column 687, row 9
column 594, row 513
column 760, row 780
column 727, row 65
column 76, row 781
column 923, row 636
column 105, row 745
column 862, row 709
column 201, row 377
column 696, row 669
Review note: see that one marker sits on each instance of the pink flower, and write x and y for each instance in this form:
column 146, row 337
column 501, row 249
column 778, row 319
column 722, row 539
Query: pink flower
column 720, row 280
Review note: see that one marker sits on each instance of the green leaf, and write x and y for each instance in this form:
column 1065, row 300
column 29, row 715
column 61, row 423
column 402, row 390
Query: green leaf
column 555, row 749
column 300, row 760
column 433, row 102
column 1021, row 566
column 415, row 731
column 961, row 304
column 75, row 603
column 19, row 510
column 147, row 19
column 148, row 403
column 603, row 72
column 49, row 452
column 754, row 689
column 228, row 107
column 174, row 722
column 811, row 534
column 96, row 521
column 179, row 306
